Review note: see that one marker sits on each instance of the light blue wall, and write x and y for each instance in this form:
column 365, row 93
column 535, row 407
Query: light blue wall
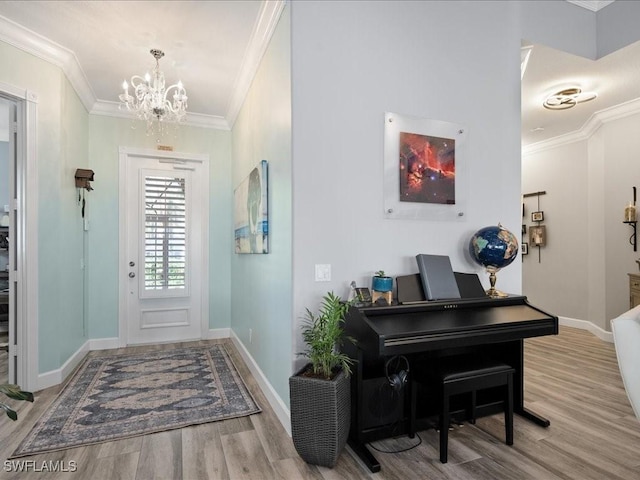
column 261, row 284
column 74, row 131
column 107, row 134
column 61, row 148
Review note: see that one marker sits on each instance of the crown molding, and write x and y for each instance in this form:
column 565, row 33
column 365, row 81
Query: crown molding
column 264, row 28
column 593, row 5
column 590, row 127
column 43, row 48
column 112, row 109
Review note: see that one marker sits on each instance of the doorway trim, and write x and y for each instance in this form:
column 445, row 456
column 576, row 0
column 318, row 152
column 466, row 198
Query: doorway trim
column 25, row 270
column 127, row 154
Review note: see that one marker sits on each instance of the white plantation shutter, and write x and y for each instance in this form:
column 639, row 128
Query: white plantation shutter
column 165, row 234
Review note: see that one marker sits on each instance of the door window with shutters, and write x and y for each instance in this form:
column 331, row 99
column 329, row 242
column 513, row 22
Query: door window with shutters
column 165, row 235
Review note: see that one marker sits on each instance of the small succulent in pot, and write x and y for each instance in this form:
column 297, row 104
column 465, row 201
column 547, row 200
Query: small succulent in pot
column 381, row 282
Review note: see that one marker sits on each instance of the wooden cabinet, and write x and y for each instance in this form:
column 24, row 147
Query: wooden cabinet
column 634, row 290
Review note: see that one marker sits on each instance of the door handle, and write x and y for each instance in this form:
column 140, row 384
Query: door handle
column 132, row 274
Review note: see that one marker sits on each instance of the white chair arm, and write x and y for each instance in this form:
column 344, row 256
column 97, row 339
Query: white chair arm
column 626, row 336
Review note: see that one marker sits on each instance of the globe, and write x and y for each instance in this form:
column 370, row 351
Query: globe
column 494, row 248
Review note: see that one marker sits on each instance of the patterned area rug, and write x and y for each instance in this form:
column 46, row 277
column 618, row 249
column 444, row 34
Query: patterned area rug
column 114, row 397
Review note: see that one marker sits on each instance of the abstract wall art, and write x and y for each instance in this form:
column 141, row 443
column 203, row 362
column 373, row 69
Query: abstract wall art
column 251, row 213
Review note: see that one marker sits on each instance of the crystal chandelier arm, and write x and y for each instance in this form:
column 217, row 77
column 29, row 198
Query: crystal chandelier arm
column 179, row 104
column 138, row 80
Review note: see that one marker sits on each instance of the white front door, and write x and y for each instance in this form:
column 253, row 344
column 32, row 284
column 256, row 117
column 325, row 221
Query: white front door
column 165, row 272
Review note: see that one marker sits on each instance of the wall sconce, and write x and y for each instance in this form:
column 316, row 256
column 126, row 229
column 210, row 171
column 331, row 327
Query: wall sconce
column 630, row 219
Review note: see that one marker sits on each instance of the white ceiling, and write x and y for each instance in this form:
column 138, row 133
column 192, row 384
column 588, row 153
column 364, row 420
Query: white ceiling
column 214, row 47
column 615, row 78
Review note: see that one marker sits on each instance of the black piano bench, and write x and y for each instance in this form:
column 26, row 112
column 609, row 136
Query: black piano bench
column 467, row 375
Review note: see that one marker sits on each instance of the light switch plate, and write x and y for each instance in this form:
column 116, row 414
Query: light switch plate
column 323, row 272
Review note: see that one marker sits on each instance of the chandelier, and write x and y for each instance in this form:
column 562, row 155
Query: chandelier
column 151, row 101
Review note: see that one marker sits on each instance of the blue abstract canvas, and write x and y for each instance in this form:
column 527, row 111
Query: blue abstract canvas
column 251, row 213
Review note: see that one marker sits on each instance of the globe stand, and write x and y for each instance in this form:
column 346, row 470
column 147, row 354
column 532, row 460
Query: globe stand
column 493, row 292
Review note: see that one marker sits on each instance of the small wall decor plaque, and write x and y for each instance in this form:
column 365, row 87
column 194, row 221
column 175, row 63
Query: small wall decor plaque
column 537, row 216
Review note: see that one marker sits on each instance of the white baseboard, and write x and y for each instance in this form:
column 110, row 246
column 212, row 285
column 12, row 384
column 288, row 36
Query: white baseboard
column 585, row 325
column 104, row 343
column 57, row 376
column 216, row 333
column 279, row 407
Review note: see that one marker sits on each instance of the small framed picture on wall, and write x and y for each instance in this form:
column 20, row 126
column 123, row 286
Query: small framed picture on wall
column 525, row 248
column 537, row 216
column 538, row 236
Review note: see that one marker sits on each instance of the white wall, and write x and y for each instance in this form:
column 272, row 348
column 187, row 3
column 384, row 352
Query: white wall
column 554, row 277
column 584, row 267
column 352, row 61
column 592, row 285
column 622, row 172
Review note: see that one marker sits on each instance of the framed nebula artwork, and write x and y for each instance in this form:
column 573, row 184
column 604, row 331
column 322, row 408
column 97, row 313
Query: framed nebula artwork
column 425, row 173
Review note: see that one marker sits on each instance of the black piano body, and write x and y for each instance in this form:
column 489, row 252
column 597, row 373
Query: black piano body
column 425, row 333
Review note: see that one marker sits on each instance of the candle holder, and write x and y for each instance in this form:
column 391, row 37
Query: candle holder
column 630, row 218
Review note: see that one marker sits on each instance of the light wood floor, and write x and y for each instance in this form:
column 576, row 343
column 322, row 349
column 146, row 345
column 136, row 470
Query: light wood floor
column 572, row 379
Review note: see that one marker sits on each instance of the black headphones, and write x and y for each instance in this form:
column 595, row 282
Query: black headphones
column 399, row 377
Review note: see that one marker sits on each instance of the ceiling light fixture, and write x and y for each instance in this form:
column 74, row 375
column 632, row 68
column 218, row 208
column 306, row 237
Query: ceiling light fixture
column 150, row 100
column 568, row 98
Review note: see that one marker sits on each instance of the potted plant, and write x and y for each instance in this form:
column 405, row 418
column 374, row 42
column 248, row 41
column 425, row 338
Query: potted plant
column 381, row 282
column 15, row 392
column 320, row 392
column 382, row 287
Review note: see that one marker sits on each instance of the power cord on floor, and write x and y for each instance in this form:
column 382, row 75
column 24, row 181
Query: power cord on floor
column 400, row 450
